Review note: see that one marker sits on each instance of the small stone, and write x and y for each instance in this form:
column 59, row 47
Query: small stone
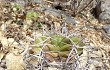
column 38, row 1
column 106, row 28
column 21, row 2
column 14, row 9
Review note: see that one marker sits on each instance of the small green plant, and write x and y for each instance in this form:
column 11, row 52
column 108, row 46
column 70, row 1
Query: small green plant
column 32, row 15
column 17, row 7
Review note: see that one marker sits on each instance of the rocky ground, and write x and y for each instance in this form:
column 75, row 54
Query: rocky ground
column 41, row 35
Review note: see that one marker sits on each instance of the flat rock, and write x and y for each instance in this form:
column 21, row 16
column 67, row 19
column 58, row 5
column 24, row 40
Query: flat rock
column 104, row 16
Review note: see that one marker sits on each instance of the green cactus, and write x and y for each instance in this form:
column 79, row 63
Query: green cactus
column 60, row 44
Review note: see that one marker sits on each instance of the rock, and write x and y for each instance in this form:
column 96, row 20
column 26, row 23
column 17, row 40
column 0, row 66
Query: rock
column 15, row 62
column 59, row 13
column 75, row 6
column 105, row 14
column 102, row 11
column 104, row 17
column 106, row 28
column 38, row 1
column 21, row 2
